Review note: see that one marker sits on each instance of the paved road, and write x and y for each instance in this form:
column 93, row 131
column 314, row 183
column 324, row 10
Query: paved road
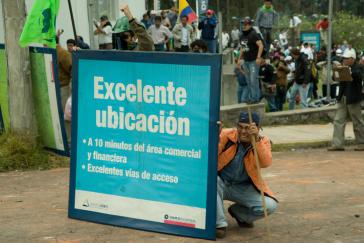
column 321, row 200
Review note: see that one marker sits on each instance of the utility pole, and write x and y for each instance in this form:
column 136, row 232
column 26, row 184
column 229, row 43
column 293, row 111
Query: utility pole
column 21, row 109
column 219, row 16
column 329, row 49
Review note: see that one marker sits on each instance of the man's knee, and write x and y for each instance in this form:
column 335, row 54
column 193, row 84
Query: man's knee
column 270, row 204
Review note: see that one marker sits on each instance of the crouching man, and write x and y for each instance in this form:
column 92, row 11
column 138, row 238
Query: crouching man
column 238, row 179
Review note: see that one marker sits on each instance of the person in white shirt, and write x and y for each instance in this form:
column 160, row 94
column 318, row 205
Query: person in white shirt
column 235, row 36
column 308, row 51
column 160, row 34
column 104, row 32
column 294, row 25
column 183, row 35
column 283, row 39
column 225, row 40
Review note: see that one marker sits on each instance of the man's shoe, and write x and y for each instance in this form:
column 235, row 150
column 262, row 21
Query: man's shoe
column 335, row 149
column 220, row 232
column 240, row 223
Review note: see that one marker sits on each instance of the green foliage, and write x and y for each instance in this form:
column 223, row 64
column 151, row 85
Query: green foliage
column 18, row 152
column 345, row 27
column 350, row 28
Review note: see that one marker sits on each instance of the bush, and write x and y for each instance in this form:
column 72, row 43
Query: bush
column 19, row 152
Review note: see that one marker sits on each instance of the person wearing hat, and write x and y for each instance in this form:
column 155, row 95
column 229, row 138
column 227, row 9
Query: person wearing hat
column 267, row 17
column 238, row 179
column 207, row 26
column 251, row 50
column 349, row 99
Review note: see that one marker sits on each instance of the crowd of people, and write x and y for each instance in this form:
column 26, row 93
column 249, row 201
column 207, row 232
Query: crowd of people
column 278, row 72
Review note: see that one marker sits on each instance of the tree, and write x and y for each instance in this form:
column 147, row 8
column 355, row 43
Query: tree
column 22, row 118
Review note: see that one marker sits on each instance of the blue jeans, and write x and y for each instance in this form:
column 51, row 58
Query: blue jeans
column 251, row 70
column 272, row 107
column 243, row 93
column 248, row 205
column 303, row 91
column 211, row 45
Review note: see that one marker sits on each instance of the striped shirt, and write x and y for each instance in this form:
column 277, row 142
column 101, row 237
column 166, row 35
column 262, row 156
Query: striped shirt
column 266, row 19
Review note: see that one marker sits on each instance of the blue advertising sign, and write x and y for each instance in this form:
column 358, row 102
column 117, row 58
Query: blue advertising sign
column 145, row 140
column 311, row 38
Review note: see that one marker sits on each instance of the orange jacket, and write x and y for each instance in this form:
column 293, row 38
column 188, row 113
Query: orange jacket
column 264, row 154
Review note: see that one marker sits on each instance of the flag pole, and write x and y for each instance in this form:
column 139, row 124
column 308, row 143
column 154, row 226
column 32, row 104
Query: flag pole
column 73, row 21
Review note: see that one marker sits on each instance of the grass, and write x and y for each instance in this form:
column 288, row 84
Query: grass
column 19, row 152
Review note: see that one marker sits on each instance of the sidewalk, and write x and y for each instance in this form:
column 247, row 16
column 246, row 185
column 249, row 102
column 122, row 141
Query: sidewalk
column 310, row 134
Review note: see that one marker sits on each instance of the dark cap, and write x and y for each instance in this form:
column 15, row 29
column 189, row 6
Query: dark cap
column 247, row 20
column 104, row 17
column 244, row 117
column 295, row 51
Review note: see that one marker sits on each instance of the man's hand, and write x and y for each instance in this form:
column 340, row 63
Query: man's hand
column 127, row 12
column 258, row 61
column 253, row 131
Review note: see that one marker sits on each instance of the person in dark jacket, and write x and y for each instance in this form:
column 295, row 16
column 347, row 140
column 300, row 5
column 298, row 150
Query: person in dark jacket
column 208, row 25
column 302, row 78
column 268, row 76
column 350, row 96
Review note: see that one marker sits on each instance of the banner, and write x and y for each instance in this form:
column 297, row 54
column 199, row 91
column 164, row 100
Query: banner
column 311, row 38
column 146, row 136
column 47, row 101
column 203, row 6
column 4, row 95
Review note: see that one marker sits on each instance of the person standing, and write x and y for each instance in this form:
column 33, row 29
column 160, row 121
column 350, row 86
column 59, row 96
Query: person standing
column 242, row 93
column 183, row 35
column 235, row 36
column 251, row 52
column 294, row 25
column 349, row 99
column 282, row 72
column 225, row 40
column 208, row 26
column 160, row 34
column 302, row 78
column 267, row 17
column 64, row 59
column 267, row 73
column 323, row 27
column 104, row 32
column 146, row 21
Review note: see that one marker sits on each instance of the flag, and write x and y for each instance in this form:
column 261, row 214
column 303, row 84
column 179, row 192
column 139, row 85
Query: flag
column 40, row 26
column 186, row 10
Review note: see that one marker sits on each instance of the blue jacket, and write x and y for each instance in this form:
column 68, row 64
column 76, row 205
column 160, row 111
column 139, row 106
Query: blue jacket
column 208, row 28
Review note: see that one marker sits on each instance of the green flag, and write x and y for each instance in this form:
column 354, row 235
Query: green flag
column 40, row 26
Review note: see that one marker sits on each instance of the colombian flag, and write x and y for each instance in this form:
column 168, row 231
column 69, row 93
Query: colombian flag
column 186, row 10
